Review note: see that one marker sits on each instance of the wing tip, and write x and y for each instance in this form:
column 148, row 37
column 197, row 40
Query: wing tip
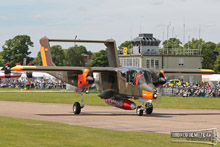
column 209, row 71
column 17, row 68
column 20, row 68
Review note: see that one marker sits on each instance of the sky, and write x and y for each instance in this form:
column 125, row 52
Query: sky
column 120, row 20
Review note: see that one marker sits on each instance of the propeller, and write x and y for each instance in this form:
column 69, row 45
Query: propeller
column 90, row 79
column 158, row 78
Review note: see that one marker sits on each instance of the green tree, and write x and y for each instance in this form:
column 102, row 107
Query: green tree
column 194, row 44
column 57, row 54
column 209, row 57
column 1, row 60
column 171, row 44
column 125, row 44
column 37, row 60
column 100, row 59
column 74, row 56
column 217, row 47
column 16, row 49
column 217, row 64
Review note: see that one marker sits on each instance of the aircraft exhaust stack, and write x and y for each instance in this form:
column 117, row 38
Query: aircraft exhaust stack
column 123, row 104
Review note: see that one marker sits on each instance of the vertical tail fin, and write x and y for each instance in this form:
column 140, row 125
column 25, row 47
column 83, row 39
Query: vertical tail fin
column 45, row 52
column 112, row 53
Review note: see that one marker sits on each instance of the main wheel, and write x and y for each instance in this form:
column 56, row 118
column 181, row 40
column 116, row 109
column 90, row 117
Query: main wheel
column 76, row 108
column 149, row 108
column 139, row 111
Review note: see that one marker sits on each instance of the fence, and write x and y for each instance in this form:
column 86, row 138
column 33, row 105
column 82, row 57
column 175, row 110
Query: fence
column 189, row 91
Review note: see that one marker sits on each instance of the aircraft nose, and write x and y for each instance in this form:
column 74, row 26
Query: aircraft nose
column 147, row 87
column 147, row 91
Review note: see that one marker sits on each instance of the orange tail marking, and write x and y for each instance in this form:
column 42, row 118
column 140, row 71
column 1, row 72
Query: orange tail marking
column 43, row 56
column 82, row 83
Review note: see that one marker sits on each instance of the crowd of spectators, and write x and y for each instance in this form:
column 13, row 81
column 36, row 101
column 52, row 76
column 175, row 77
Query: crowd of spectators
column 32, row 83
column 198, row 90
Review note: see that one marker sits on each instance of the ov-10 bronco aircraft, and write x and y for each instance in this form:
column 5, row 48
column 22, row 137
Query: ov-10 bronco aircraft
column 117, row 84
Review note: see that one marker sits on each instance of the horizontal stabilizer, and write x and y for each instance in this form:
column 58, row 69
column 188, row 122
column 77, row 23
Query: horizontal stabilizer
column 81, row 41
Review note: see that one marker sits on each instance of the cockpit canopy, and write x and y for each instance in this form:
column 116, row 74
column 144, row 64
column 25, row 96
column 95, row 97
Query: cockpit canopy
column 136, row 76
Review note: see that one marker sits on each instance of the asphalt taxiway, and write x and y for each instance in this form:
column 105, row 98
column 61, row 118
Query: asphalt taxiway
column 161, row 121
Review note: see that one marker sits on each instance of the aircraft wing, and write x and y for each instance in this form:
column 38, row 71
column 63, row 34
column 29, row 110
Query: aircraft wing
column 68, row 74
column 77, row 70
column 184, row 71
column 188, row 71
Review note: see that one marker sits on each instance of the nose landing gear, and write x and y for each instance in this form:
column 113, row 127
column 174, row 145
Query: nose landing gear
column 148, row 108
column 139, row 111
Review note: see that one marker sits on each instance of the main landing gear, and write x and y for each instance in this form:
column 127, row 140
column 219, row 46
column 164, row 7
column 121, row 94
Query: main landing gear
column 77, row 107
column 148, row 108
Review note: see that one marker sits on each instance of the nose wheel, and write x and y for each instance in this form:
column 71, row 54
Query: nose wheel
column 148, row 108
column 139, row 111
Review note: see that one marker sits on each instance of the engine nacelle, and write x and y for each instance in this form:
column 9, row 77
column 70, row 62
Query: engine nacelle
column 85, row 79
column 158, row 78
column 123, row 104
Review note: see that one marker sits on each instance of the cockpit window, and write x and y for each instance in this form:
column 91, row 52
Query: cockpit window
column 141, row 81
column 148, row 76
column 131, row 76
column 143, row 77
column 138, row 77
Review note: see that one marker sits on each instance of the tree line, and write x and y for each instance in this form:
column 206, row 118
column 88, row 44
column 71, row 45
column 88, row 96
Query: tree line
column 17, row 48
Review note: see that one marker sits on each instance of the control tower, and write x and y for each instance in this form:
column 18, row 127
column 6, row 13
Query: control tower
column 145, row 44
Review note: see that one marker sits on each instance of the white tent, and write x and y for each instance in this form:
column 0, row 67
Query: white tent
column 39, row 75
column 211, row 78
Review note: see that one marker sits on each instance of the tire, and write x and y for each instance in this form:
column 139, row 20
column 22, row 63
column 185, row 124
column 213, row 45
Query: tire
column 139, row 111
column 76, row 108
column 149, row 108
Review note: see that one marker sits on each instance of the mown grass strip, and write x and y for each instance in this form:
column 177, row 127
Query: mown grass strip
column 24, row 132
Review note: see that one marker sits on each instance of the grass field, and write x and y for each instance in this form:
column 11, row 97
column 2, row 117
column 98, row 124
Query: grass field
column 93, row 99
column 51, row 97
column 188, row 103
column 24, row 132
